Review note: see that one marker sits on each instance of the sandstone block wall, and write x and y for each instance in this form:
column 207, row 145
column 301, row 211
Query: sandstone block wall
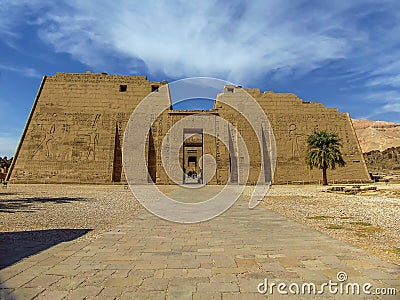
column 75, row 130
column 76, row 127
column 293, row 120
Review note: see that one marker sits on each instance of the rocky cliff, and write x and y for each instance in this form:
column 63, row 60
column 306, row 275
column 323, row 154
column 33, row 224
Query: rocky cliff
column 377, row 135
column 380, row 143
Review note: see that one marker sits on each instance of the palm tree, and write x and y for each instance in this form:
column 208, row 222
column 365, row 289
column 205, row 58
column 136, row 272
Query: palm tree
column 324, row 152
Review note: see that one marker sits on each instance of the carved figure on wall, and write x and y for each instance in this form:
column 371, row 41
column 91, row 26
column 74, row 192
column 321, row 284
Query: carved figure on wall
column 294, row 138
column 84, row 145
column 46, row 143
column 93, row 142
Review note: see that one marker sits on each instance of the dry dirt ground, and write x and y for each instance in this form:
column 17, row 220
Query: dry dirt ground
column 370, row 221
column 40, row 207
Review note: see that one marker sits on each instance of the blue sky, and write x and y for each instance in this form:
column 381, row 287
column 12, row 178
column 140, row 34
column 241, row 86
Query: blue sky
column 343, row 53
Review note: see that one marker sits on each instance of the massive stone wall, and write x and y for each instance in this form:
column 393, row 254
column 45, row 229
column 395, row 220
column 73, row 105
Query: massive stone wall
column 75, row 133
column 293, row 120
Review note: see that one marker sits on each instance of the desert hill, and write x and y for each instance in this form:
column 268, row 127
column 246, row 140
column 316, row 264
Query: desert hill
column 386, row 163
column 380, row 143
column 377, row 135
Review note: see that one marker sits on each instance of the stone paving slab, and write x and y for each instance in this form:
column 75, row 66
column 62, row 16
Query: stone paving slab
column 225, row 258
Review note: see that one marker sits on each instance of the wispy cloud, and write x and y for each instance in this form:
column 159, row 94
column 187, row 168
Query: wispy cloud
column 241, row 41
column 23, row 71
column 14, row 14
column 392, row 107
column 180, row 38
column 385, row 80
column 381, row 102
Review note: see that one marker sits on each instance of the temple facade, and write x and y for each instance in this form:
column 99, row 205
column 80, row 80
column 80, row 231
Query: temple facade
column 75, row 134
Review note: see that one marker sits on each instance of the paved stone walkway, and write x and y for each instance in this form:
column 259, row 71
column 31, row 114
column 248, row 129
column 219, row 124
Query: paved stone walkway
column 225, row 258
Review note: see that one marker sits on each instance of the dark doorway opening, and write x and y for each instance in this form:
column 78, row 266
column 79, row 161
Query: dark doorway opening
column 192, row 153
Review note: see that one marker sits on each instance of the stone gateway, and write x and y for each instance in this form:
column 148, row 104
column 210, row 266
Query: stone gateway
column 75, row 132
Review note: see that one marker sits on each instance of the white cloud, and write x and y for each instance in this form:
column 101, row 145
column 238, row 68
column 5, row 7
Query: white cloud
column 381, row 102
column 237, row 40
column 207, row 38
column 15, row 13
column 385, row 80
column 392, row 107
column 23, row 71
column 183, row 38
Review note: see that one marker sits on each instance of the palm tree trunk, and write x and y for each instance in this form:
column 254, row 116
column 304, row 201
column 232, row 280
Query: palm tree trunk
column 324, row 177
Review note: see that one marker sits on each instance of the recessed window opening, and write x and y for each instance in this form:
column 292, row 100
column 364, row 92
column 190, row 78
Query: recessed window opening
column 123, row 88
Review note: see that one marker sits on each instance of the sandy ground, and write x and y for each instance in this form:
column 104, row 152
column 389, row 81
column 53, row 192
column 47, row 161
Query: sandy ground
column 369, row 221
column 38, row 207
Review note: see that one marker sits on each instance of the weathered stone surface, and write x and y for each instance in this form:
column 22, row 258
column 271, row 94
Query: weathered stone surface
column 76, row 128
column 384, row 164
column 285, row 251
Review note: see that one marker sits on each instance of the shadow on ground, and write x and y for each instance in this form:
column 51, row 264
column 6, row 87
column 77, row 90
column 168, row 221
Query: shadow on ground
column 15, row 246
column 5, row 292
column 25, row 204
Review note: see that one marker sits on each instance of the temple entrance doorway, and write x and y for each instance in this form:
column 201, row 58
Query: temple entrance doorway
column 192, row 153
